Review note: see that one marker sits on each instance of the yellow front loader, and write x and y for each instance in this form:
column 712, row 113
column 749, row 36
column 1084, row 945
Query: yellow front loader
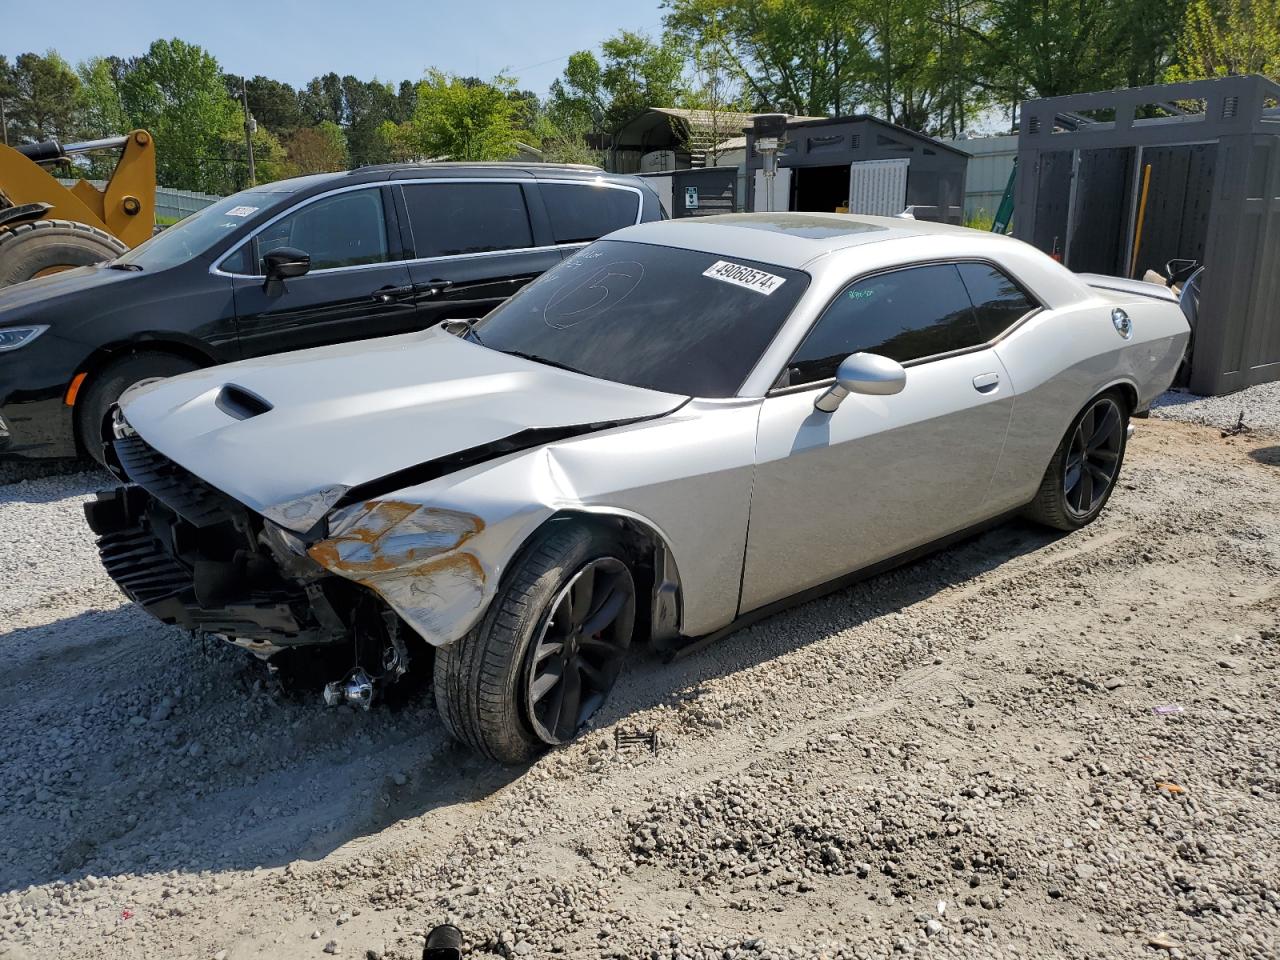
column 46, row 227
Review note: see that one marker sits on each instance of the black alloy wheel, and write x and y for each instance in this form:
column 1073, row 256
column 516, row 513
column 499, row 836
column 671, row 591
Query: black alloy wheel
column 580, row 649
column 1093, row 457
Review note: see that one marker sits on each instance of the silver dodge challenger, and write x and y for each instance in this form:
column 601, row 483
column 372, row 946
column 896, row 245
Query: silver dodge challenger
column 684, row 426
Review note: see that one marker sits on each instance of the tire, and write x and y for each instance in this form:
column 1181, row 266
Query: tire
column 32, row 249
column 1068, row 498
column 106, row 386
column 490, row 686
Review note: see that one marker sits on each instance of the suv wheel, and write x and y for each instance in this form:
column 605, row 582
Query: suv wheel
column 110, row 382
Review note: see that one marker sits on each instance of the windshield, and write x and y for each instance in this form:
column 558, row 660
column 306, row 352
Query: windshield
column 197, row 233
column 663, row 318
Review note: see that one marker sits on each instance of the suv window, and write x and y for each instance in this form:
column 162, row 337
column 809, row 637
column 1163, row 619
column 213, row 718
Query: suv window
column 998, row 301
column 581, row 212
column 904, row 315
column 453, row 218
column 342, row 230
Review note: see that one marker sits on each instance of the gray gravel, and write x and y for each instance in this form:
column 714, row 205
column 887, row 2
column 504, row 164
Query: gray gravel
column 1259, row 405
column 1025, row 746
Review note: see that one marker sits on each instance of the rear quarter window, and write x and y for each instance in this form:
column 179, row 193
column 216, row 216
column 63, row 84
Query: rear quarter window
column 582, row 212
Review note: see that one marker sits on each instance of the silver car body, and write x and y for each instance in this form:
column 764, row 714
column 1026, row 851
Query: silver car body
column 748, row 500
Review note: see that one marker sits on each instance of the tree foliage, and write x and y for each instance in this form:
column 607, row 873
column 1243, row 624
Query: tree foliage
column 457, row 119
column 1226, row 37
column 932, row 65
column 177, row 92
column 318, row 149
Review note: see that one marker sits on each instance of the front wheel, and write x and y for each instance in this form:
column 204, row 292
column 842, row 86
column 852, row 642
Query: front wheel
column 546, row 655
column 106, row 386
column 1084, row 468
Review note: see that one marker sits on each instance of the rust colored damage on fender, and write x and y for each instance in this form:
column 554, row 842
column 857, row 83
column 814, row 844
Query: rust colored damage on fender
column 410, row 555
column 391, row 535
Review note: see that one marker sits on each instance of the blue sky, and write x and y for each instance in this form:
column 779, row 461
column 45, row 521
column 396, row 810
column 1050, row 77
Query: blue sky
column 295, row 41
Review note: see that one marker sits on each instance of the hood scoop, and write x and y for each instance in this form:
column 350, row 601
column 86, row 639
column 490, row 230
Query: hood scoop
column 241, row 404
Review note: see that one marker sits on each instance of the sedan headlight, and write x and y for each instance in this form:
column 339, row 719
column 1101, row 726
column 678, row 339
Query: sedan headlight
column 11, row 338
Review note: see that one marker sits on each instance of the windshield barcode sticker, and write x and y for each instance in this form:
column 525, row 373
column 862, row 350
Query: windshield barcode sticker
column 741, row 276
column 240, row 211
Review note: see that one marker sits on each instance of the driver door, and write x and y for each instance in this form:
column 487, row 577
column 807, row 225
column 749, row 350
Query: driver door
column 882, row 475
column 358, row 285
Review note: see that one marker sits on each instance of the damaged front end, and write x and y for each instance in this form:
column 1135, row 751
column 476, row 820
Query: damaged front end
column 197, row 559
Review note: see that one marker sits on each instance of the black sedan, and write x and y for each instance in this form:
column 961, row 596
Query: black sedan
column 293, row 264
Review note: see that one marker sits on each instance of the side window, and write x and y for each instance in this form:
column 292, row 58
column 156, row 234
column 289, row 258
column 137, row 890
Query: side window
column 581, row 212
column 998, row 302
column 905, row 315
column 240, row 262
column 452, row 218
column 343, row 230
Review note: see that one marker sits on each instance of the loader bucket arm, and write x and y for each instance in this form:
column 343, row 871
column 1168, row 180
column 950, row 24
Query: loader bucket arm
column 125, row 207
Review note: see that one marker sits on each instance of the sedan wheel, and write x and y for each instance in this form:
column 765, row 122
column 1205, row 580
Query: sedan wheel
column 1094, row 457
column 1084, row 468
column 549, row 649
column 580, row 651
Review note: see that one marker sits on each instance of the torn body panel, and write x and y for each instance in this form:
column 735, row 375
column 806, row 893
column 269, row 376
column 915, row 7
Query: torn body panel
column 439, row 565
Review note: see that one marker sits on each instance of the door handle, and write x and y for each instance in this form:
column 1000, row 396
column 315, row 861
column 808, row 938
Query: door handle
column 438, row 286
column 986, row 382
column 389, row 294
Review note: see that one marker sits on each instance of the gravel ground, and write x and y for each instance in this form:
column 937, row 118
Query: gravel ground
column 1024, row 746
column 1259, row 407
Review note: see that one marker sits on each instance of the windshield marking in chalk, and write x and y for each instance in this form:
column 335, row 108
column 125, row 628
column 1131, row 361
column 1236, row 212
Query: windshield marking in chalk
column 604, row 289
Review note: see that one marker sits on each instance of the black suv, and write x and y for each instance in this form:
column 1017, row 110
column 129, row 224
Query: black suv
column 293, row 264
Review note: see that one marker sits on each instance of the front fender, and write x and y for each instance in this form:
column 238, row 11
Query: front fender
column 437, row 552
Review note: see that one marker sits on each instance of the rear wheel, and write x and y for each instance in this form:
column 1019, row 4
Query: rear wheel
column 547, row 653
column 42, row 247
column 110, row 382
column 1084, row 469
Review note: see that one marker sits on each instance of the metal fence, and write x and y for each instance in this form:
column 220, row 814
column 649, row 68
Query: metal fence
column 991, row 161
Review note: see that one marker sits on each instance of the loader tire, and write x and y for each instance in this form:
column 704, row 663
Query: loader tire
column 42, row 247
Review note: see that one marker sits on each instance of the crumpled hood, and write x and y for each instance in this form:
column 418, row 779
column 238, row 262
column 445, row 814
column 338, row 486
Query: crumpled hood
column 350, row 413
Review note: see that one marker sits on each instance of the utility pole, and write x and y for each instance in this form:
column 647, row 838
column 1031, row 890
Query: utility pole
column 250, row 127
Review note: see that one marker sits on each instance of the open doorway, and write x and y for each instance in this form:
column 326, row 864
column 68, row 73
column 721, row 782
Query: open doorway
column 820, row 189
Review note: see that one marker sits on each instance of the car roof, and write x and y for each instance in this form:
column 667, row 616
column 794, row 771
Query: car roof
column 381, row 173
column 785, row 239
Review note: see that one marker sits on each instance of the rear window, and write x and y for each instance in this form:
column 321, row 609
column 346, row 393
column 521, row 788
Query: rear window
column 665, row 318
column 455, row 218
column 581, row 212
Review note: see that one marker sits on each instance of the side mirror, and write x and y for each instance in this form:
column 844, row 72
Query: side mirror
column 281, row 264
column 285, row 263
column 866, row 373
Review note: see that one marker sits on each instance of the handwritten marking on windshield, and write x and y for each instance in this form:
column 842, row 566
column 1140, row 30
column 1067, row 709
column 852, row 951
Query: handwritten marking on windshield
column 604, row 289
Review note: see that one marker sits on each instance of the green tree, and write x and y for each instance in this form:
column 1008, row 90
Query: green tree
column 318, row 149
column 639, row 73
column 797, row 56
column 42, row 100
column 1228, row 37
column 322, row 100
column 366, row 105
column 457, row 120
column 275, row 105
column 176, row 91
column 634, row 73
column 6, row 96
column 100, row 111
